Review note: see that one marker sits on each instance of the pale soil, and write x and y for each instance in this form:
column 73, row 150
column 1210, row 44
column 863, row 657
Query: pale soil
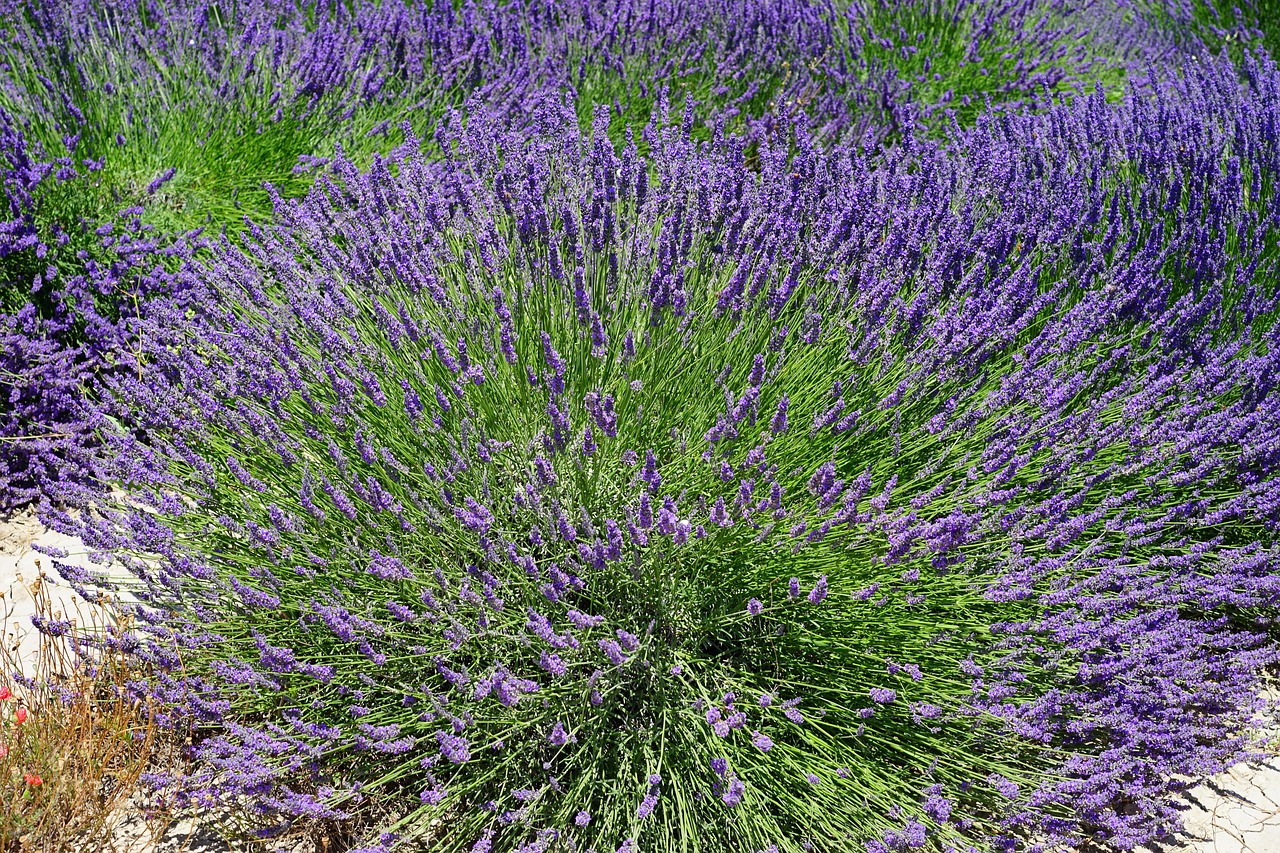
column 1234, row 812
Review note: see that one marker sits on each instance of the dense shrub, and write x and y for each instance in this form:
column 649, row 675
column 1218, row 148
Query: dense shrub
column 723, row 497
column 158, row 119
column 163, row 118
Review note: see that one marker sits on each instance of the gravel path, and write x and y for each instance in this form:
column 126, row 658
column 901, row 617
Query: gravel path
column 1234, row 812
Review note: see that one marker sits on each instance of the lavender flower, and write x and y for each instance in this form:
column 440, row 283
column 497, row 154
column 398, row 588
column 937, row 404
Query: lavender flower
column 647, row 805
column 819, row 591
column 559, row 736
column 732, row 795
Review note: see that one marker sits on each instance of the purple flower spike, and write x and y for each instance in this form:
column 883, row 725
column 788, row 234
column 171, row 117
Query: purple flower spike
column 732, row 795
column 649, row 473
column 779, row 423
column 819, row 591
column 453, row 747
column 559, row 736
column 1006, row 789
column 160, row 180
column 914, row 834
column 612, row 651
column 647, row 805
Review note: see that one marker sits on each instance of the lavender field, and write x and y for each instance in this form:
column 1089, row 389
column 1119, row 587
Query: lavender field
column 647, row 425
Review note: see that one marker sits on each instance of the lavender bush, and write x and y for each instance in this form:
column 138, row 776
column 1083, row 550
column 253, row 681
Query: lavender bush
column 188, row 110
column 128, row 127
column 732, row 496
column 125, row 126
column 59, row 328
column 1216, row 25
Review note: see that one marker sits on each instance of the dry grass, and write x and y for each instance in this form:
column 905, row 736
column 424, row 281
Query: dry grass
column 73, row 742
column 75, row 745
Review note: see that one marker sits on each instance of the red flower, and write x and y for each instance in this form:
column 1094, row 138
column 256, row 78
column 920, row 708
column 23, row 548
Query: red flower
column 5, row 693
column 21, row 715
column 32, row 779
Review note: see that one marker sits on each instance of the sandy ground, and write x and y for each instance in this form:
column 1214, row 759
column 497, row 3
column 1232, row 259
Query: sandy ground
column 20, row 567
column 1234, row 812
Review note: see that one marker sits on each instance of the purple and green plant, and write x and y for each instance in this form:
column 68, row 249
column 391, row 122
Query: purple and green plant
column 580, row 498
column 129, row 127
